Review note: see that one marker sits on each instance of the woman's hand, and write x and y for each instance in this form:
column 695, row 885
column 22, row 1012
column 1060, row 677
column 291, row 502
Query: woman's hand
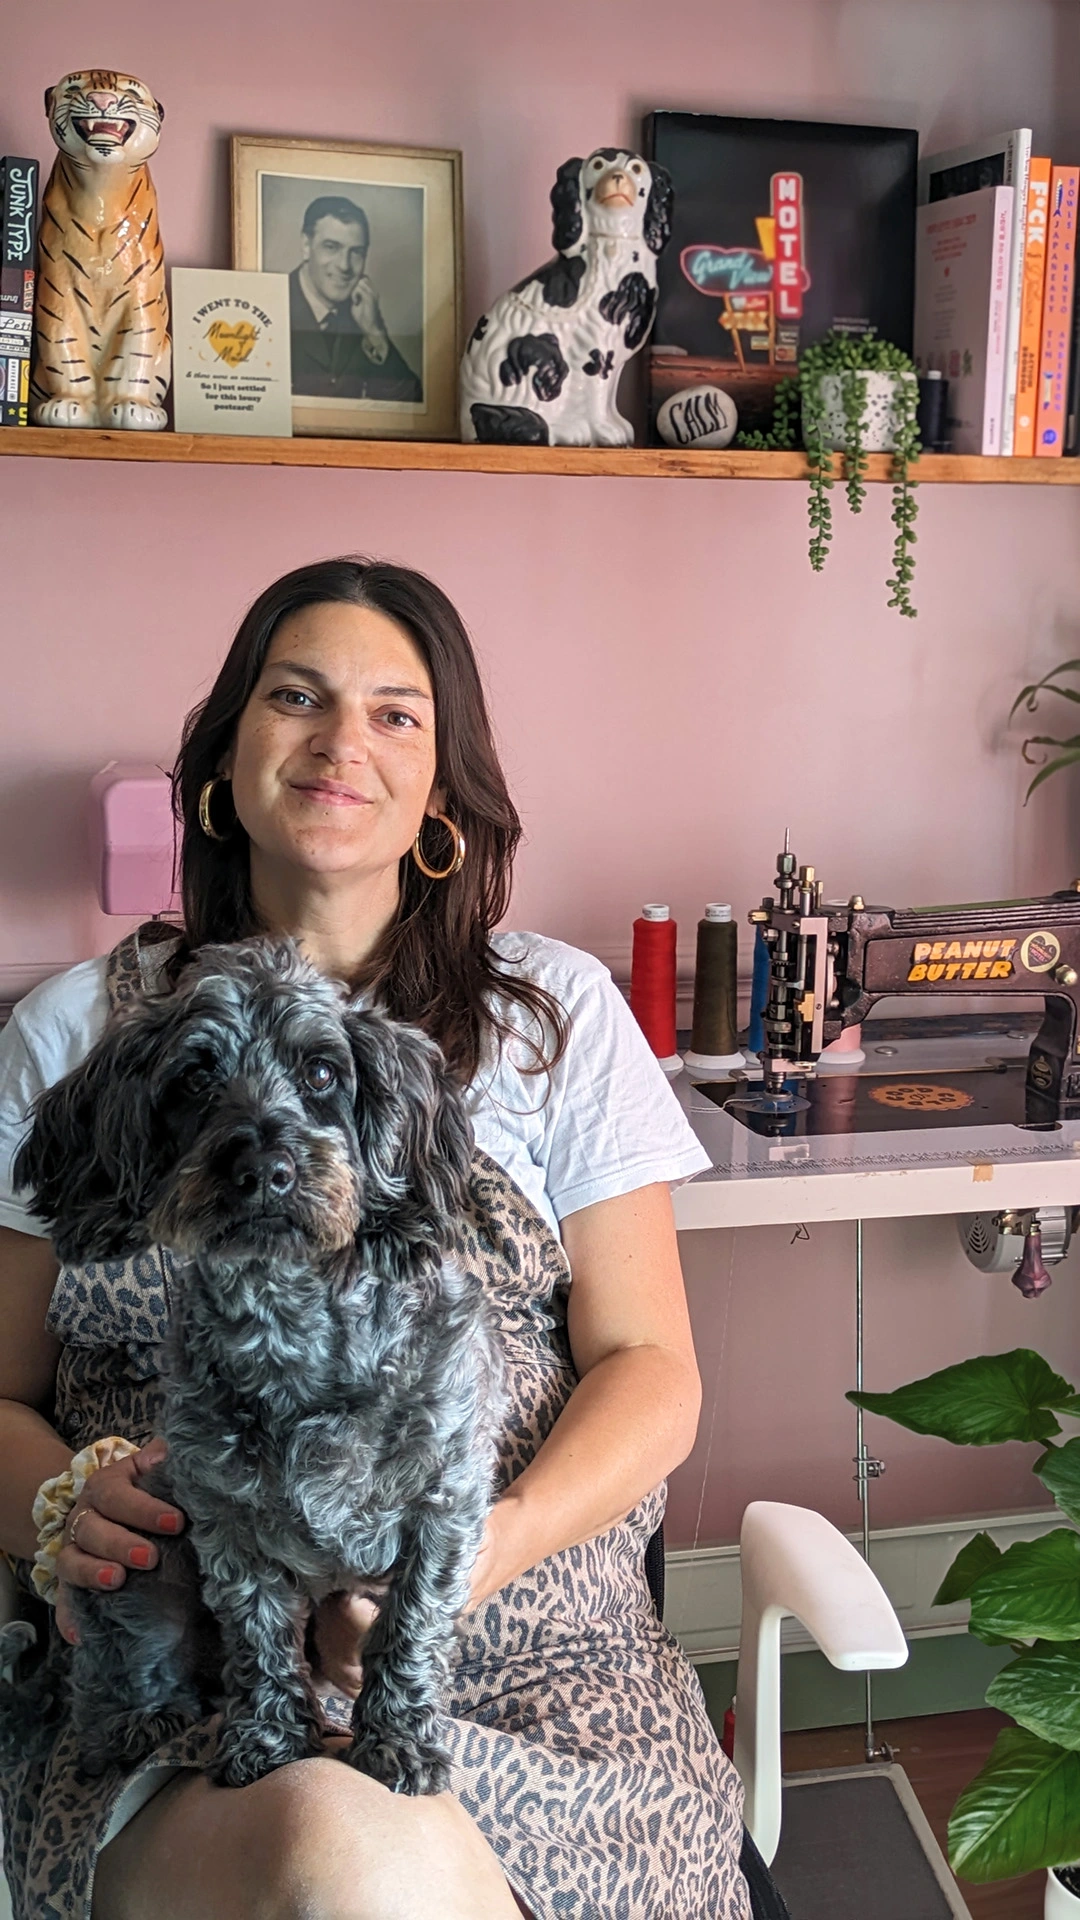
column 107, row 1542
column 342, row 1624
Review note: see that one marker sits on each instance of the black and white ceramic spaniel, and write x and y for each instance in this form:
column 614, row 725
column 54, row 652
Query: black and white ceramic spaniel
column 542, row 365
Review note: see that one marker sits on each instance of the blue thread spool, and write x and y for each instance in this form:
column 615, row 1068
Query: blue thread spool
column 759, row 994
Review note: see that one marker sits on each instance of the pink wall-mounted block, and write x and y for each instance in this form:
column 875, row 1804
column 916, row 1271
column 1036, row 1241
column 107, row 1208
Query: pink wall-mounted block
column 131, row 840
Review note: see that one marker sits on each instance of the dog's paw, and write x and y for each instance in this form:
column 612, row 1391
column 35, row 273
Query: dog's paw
column 247, row 1750
column 124, row 1739
column 405, row 1766
column 615, row 432
column 241, row 1769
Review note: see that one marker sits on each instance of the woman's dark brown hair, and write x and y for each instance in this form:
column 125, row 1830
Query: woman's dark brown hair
column 434, row 965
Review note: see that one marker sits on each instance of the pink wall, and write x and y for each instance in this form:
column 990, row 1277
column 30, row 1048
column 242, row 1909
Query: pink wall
column 663, row 666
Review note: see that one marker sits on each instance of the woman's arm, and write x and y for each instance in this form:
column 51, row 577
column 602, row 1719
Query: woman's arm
column 30, row 1450
column 633, row 1416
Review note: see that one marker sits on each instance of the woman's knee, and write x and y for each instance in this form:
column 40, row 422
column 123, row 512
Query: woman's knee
column 346, row 1849
column 202, row 1852
column 312, row 1841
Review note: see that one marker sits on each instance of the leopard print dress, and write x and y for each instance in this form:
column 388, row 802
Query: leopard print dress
column 579, row 1738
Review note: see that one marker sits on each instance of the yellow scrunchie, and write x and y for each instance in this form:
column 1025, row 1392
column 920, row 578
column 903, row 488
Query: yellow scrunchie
column 54, row 1500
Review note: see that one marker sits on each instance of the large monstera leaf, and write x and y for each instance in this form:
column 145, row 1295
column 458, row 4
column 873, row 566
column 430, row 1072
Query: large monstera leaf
column 997, row 1396
column 973, row 1560
column 1041, row 1690
column 1033, row 1593
column 1020, row 1813
column 1059, row 1471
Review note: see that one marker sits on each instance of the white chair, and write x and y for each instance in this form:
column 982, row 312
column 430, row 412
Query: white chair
column 793, row 1562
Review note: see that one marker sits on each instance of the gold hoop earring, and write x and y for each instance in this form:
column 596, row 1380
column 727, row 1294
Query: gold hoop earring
column 458, row 861
column 205, row 821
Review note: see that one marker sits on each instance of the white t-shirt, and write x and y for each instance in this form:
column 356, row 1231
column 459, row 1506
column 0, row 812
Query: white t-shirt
column 605, row 1123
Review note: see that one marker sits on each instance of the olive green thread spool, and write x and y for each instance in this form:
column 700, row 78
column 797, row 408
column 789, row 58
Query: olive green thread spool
column 714, row 1040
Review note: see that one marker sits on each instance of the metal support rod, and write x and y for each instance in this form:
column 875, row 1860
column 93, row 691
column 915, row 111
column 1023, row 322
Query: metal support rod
column 860, row 1442
column 866, row 1470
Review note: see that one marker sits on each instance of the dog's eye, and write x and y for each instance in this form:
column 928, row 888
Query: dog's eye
column 635, row 168
column 320, row 1076
column 198, row 1078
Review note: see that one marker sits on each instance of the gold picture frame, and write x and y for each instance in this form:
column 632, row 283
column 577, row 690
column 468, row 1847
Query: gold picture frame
column 371, row 239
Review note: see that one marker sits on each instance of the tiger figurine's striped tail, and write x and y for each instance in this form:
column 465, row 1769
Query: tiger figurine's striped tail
column 102, row 355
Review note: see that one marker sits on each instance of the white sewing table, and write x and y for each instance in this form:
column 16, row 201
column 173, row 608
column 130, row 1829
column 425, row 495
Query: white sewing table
column 756, row 1181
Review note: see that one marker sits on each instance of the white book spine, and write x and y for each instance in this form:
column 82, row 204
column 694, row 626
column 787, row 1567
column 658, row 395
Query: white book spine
column 997, row 337
column 1017, row 176
column 1011, row 152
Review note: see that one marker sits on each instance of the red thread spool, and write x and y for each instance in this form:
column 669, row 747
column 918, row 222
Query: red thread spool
column 652, row 982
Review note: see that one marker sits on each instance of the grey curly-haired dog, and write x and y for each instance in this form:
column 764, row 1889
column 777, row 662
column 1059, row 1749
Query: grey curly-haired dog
column 332, row 1386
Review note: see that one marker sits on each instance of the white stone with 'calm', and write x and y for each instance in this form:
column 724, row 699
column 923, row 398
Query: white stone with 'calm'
column 698, row 417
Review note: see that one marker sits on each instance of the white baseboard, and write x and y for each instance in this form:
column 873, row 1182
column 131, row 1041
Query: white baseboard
column 703, row 1602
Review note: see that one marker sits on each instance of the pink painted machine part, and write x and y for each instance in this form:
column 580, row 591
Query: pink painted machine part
column 131, row 840
column 846, row 1052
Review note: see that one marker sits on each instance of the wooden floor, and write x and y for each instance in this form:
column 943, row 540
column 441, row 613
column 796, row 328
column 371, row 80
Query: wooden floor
column 940, row 1754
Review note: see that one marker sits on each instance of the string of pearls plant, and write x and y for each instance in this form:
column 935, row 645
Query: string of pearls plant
column 848, row 358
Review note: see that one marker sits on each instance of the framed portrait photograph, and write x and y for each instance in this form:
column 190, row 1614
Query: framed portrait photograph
column 370, row 238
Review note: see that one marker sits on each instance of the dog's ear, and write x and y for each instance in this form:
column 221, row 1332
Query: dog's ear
column 656, row 231
column 414, row 1133
column 88, row 1162
column 567, row 225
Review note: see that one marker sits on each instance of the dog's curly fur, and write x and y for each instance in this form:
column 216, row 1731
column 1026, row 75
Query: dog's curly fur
column 332, row 1383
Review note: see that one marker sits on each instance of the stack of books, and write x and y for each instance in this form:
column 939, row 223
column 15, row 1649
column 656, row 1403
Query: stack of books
column 18, row 243
column 996, row 307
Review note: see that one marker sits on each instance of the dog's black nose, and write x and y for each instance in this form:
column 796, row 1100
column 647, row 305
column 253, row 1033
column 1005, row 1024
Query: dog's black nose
column 262, row 1173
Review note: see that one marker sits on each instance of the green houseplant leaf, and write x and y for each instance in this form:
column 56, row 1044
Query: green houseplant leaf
column 1020, row 1813
column 1034, row 1591
column 997, row 1396
column 1051, row 767
column 1029, row 696
column 1041, row 1690
column 1059, row 1471
column 970, row 1564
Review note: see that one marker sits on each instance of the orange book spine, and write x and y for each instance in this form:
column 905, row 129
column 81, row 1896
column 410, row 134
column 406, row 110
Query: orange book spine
column 1031, row 306
column 1057, row 312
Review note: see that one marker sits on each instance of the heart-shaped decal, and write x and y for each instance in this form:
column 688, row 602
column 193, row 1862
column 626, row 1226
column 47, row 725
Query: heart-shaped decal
column 232, row 342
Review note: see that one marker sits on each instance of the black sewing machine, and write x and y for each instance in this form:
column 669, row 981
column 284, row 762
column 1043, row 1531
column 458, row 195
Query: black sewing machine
column 830, row 964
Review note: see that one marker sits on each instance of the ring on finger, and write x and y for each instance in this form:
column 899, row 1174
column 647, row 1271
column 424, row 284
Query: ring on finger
column 73, row 1528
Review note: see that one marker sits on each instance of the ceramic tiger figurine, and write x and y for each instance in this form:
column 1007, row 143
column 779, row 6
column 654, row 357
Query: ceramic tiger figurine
column 102, row 355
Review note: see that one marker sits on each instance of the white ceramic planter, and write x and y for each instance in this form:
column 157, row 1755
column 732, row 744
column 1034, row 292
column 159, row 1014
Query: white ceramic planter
column 879, row 414
column 1060, row 1903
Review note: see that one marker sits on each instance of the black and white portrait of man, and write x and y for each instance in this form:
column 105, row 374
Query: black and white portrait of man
column 354, row 256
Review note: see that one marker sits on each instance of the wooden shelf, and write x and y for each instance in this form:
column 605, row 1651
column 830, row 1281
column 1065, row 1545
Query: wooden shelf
column 643, row 463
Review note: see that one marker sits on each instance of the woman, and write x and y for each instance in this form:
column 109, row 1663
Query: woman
column 340, row 784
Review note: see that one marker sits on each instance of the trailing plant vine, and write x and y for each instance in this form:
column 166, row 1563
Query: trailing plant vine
column 906, row 450
column 850, row 357
column 783, row 435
